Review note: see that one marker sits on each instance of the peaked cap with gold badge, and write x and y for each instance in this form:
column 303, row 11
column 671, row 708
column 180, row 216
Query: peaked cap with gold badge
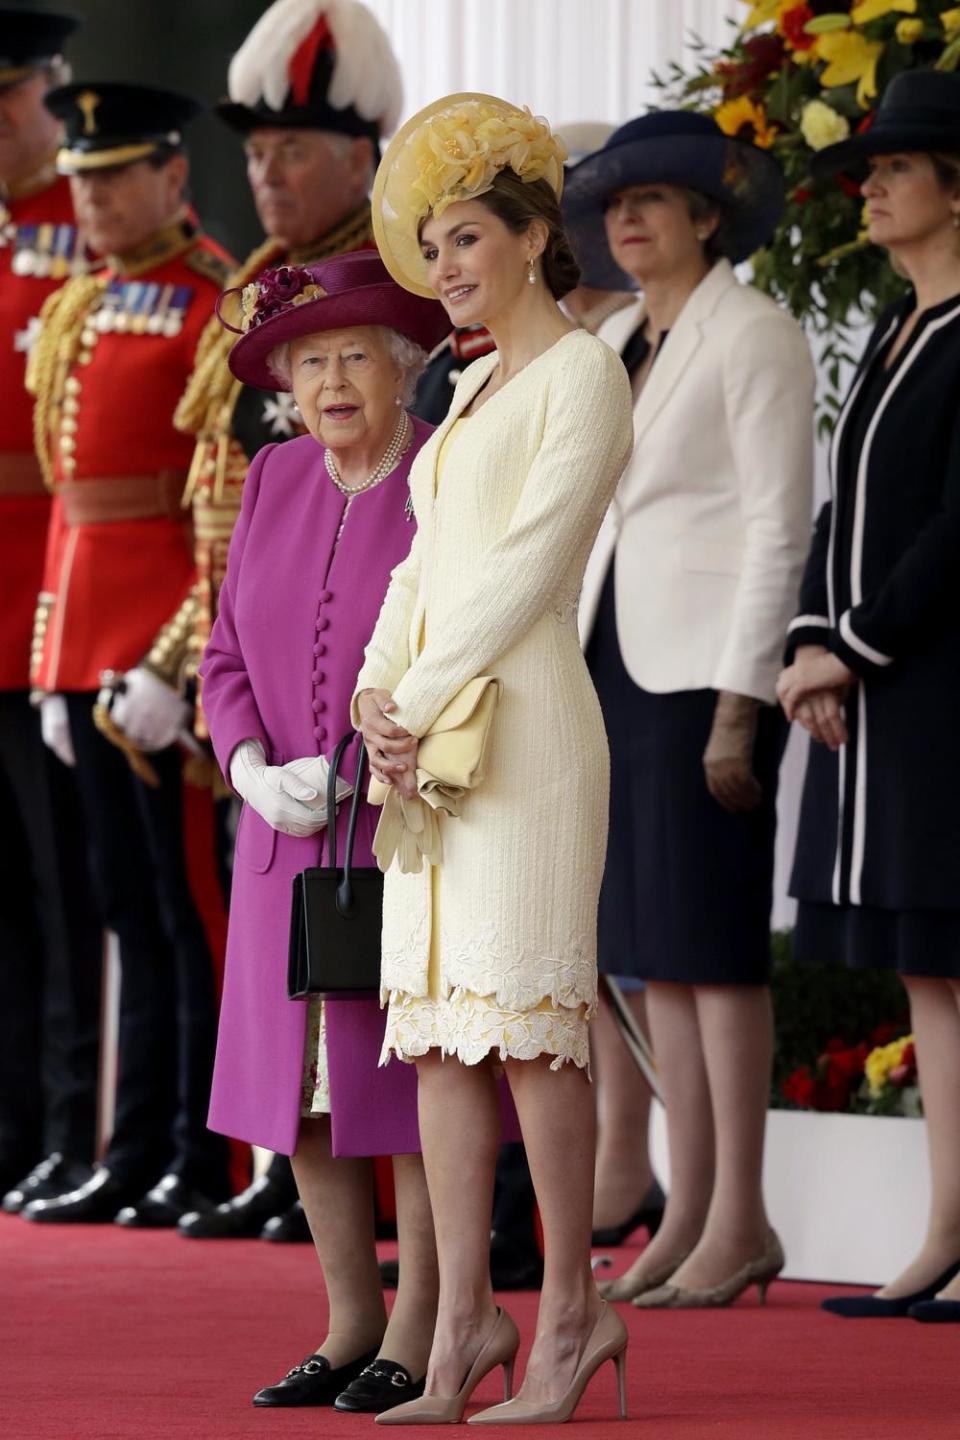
column 108, row 124
column 30, row 39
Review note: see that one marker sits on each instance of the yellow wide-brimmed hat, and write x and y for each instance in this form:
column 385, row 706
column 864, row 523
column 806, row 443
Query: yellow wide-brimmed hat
column 453, row 150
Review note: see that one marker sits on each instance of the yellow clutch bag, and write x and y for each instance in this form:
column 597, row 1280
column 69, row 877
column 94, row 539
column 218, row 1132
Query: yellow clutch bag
column 451, row 759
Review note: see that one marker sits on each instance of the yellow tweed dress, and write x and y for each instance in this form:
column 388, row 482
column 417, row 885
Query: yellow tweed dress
column 463, row 1023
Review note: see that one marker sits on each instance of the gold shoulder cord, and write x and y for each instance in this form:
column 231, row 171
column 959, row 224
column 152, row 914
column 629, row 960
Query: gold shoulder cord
column 61, row 317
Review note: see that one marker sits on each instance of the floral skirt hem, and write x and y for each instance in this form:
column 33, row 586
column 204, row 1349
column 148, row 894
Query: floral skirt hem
column 473, row 1027
column 315, row 1088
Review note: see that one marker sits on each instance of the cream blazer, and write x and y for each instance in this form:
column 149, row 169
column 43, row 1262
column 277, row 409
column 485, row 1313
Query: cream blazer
column 494, row 575
column 711, row 521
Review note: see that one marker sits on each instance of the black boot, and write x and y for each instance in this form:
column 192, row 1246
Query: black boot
column 243, row 1217
column 53, row 1176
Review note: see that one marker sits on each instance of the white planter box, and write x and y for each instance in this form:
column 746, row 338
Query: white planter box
column 848, row 1194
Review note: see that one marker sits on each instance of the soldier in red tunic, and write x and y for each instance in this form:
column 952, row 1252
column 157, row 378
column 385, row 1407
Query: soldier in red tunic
column 50, row 936
column 110, row 363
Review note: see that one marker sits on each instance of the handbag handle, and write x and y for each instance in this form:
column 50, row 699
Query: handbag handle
column 345, row 888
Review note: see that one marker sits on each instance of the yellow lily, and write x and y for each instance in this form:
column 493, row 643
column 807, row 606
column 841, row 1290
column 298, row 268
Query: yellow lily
column 760, row 12
column 868, row 10
column 850, row 57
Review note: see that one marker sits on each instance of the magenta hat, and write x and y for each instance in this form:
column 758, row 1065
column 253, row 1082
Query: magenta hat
column 347, row 290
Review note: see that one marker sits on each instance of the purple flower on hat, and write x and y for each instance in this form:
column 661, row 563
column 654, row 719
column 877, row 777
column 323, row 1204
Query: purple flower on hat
column 283, row 283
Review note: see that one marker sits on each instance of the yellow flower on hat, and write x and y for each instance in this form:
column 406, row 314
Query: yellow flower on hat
column 458, row 154
column 734, row 115
column 850, row 57
column 868, row 10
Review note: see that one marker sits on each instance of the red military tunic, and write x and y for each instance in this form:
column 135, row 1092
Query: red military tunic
column 39, row 249
column 113, row 575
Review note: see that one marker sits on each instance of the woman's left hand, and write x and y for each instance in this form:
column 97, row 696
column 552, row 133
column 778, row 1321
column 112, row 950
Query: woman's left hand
column 813, row 670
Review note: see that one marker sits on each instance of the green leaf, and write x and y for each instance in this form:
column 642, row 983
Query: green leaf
column 827, row 24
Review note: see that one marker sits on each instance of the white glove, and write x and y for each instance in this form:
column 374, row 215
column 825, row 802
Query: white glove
column 288, row 803
column 315, row 770
column 55, row 728
column 148, row 711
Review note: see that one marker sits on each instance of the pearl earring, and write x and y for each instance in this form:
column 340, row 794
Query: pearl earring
column 397, row 400
column 531, row 272
column 956, row 220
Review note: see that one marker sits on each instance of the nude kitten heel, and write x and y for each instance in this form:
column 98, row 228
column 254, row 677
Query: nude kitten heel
column 499, row 1348
column 608, row 1341
column 761, row 1271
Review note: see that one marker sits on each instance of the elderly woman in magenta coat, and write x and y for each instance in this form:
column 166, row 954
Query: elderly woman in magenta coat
column 325, row 519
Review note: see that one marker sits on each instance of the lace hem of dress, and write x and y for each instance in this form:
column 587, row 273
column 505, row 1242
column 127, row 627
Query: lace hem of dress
column 315, row 1087
column 472, row 1027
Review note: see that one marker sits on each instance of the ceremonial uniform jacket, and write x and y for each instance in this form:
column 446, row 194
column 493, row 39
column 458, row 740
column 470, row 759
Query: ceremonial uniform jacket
column 110, row 364
column 39, row 249
column 229, row 423
column 880, row 819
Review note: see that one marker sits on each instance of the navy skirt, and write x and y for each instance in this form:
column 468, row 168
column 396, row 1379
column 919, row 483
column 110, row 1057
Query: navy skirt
column 688, row 887
column 864, row 937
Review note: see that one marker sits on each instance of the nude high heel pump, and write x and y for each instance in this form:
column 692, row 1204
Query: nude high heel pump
column 499, row 1348
column 608, row 1341
column 760, row 1272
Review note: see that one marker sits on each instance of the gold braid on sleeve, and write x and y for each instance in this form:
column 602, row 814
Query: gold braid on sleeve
column 51, row 357
column 168, row 655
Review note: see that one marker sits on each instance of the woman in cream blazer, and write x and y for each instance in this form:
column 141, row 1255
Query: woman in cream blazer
column 685, row 607
column 489, row 959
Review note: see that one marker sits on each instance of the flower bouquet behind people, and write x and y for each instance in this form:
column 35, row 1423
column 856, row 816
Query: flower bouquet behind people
column 795, row 78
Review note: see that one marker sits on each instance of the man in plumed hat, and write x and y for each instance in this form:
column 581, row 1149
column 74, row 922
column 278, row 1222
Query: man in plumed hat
column 111, row 359
column 50, row 938
column 310, row 92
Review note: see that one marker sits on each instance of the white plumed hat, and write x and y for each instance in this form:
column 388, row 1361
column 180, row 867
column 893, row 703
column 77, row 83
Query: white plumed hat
column 315, row 64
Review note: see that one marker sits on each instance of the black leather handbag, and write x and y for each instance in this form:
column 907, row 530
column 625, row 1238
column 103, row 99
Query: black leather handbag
column 337, row 912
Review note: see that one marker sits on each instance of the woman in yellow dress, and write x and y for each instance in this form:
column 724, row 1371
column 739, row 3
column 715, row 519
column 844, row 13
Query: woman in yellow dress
column 489, row 958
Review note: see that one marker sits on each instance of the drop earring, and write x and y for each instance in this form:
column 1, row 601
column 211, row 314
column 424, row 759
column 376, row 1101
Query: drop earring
column 531, row 272
column 956, row 220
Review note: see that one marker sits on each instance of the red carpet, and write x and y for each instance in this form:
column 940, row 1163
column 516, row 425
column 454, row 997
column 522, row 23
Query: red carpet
column 109, row 1335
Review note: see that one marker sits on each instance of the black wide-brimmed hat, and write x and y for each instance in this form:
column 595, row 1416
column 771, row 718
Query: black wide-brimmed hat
column 30, row 38
column 110, row 123
column 675, row 147
column 918, row 111
column 315, row 65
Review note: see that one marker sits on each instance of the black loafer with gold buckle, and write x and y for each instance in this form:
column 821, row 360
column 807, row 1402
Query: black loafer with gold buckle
column 313, row 1382
column 381, row 1386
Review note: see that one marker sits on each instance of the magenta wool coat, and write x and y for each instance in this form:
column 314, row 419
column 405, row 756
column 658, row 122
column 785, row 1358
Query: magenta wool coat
column 280, row 668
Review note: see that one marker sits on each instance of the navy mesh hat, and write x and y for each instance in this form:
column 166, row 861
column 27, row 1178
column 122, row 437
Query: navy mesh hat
column 672, row 147
column 919, row 112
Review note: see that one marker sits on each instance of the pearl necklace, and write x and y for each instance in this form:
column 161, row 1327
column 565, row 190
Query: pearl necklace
column 394, row 450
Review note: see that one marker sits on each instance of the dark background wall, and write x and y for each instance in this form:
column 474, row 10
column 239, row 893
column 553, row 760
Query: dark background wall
column 184, row 45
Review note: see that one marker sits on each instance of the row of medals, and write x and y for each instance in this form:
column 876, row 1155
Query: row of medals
column 56, row 255
column 161, row 319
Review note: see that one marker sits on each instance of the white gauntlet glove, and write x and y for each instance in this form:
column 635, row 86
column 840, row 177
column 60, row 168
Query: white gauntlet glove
column 148, row 711
column 55, row 728
column 290, row 802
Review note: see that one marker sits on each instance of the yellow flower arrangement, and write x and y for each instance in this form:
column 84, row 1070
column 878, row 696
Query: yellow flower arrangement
column 908, row 32
column 850, row 57
column 458, row 154
column 868, row 10
column 950, row 19
column 881, row 1063
column 821, row 126
column 734, row 115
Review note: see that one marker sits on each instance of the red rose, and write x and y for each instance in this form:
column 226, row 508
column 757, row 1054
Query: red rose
column 849, row 187
column 801, row 196
column 791, row 25
column 800, row 1087
column 763, row 56
column 909, row 1057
